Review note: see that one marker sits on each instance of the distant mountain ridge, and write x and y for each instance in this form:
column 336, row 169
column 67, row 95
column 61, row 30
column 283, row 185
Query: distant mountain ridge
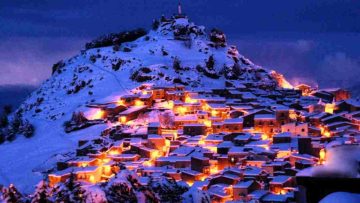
column 14, row 94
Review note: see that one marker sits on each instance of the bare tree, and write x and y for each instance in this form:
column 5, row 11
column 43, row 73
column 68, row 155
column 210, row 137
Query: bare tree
column 166, row 119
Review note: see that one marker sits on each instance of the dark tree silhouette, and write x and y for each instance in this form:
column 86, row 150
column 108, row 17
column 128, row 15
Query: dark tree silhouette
column 155, row 24
column 41, row 194
column 210, row 63
column 176, row 64
column 7, row 109
column 11, row 195
column 4, row 121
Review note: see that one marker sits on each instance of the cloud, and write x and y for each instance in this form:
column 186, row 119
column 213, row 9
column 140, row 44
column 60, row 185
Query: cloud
column 339, row 69
column 29, row 60
column 304, row 45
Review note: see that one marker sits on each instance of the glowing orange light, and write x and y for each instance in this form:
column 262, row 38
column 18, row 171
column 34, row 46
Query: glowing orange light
column 281, row 80
column 168, row 105
column 154, row 154
column 327, row 134
column 264, row 137
column 213, row 113
column 322, row 154
column 139, row 103
column 175, row 135
column 324, row 132
column 123, row 119
column 144, row 92
column 147, row 163
column 292, row 114
column 188, row 99
column 167, row 143
column 329, row 108
column 207, row 123
column 120, row 103
column 205, row 106
column 107, row 169
column 97, row 114
column 214, row 170
column 181, row 110
column 211, row 148
column 92, row 179
column 283, row 153
column 114, row 152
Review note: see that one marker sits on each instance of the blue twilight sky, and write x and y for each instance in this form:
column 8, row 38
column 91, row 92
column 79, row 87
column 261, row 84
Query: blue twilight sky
column 314, row 41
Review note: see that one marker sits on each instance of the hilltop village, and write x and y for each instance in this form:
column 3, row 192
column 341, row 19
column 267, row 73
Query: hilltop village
column 177, row 115
column 239, row 143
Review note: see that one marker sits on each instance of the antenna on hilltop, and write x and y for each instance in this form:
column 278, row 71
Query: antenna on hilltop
column 179, row 9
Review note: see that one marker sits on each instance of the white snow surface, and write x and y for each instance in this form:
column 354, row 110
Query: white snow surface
column 23, row 160
column 338, row 197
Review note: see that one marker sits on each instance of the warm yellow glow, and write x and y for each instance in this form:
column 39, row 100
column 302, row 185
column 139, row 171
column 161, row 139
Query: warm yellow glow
column 283, row 153
column 207, row 123
column 154, row 154
column 264, row 137
column 168, row 104
column 114, row 152
column 324, row 132
column 213, row 113
column 182, row 110
column 190, row 183
column 83, row 164
column 188, row 99
column 175, row 135
column 281, row 80
column 123, row 119
column 205, row 107
column 147, row 163
column 305, row 89
column 286, row 85
column 214, row 170
column 120, row 103
column 107, row 169
column 167, row 143
column 211, row 148
column 329, row 108
column 92, row 179
column 139, row 103
column 327, row 134
column 97, row 114
column 106, row 160
column 144, row 92
column 292, row 114
column 322, row 154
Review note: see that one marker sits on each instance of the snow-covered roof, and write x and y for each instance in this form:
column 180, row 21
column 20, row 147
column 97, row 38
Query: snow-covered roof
column 264, row 117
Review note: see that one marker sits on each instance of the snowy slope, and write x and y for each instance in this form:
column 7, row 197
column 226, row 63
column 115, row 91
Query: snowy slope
column 91, row 77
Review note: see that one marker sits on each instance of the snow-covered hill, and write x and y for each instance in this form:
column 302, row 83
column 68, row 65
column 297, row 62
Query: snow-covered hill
column 177, row 51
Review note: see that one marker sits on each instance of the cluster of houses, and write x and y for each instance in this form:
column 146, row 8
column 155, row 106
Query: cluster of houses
column 239, row 143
